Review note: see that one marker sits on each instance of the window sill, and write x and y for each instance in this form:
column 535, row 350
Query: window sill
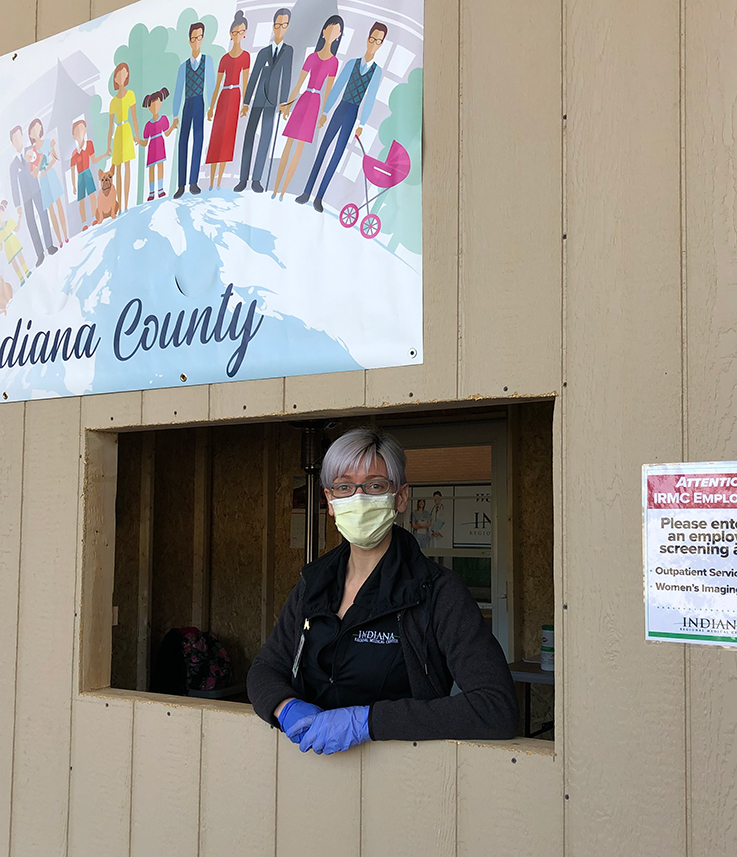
column 528, row 746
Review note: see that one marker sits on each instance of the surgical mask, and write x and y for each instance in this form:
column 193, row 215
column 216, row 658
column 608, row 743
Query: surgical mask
column 364, row 519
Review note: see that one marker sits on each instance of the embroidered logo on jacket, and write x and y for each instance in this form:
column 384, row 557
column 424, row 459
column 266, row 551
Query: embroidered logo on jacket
column 380, row 637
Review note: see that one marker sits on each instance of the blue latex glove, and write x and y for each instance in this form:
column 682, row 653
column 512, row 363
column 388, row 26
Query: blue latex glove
column 296, row 717
column 336, row 730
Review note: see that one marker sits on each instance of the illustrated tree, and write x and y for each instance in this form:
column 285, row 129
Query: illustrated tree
column 400, row 208
column 151, row 66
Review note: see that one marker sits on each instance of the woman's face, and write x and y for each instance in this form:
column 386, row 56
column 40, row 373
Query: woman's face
column 34, row 134
column 420, row 505
column 331, row 33
column 121, row 78
column 237, row 34
column 377, row 470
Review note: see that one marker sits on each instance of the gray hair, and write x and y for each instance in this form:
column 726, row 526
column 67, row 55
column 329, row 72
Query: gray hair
column 283, row 11
column 362, row 446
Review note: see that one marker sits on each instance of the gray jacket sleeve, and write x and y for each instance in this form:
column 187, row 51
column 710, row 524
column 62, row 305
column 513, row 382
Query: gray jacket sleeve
column 269, row 680
column 486, row 708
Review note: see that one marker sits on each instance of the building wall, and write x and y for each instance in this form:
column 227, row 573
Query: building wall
column 579, row 241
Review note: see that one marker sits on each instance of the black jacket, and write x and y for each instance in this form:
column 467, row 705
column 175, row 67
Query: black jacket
column 444, row 638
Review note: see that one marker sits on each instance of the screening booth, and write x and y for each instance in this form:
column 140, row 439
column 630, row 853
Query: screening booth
column 540, row 306
column 214, row 524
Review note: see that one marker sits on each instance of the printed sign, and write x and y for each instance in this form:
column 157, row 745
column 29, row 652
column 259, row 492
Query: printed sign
column 690, row 552
column 219, row 192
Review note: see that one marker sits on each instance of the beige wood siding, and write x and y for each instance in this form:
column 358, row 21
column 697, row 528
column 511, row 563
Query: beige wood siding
column 710, row 378
column 629, row 322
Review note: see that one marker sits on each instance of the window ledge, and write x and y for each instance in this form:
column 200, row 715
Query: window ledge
column 529, row 746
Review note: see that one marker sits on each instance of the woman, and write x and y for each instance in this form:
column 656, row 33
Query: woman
column 373, row 635
column 122, row 115
column 322, row 66
column 43, row 169
column 234, row 68
column 420, row 523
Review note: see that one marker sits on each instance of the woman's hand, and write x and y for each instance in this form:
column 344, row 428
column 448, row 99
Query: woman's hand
column 296, row 717
column 337, row 730
column 284, row 110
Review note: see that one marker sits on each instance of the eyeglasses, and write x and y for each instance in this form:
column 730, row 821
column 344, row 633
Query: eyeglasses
column 373, row 41
column 348, row 489
column 196, row 38
column 282, row 26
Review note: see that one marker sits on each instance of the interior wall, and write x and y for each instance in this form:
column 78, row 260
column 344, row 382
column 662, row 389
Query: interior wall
column 238, row 521
column 125, row 585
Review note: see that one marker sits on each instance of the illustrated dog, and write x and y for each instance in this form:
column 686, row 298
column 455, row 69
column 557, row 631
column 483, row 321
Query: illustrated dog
column 107, row 198
column 6, row 293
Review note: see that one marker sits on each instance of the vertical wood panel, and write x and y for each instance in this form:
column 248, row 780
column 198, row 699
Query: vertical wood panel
column 238, row 770
column 176, row 405
column 510, row 274
column 99, row 811
column 201, row 530
column 11, row 489
column 19, row 29
column 46, row 628
column 239, row 399
column 624, row 700
column 711, row 345
column 111, row 410
column 98, row 558
column 509, row 807
column 55, row 16
column 436, row 378
column 319, row 802
column 145, row 560
column 408, row 799
column 331, row 392
column 166, row 780
column 104, row 7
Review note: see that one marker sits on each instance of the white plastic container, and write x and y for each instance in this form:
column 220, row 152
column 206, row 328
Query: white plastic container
column 547, row 649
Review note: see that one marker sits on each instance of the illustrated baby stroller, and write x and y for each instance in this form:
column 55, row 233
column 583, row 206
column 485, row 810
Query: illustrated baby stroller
column 383, row 174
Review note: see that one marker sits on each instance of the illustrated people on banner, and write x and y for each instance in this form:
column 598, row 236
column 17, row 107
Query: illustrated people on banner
column 122, row 117
column 358, row 84
column 42, row 163
column 195, row 82
column 322, row 67
column 268, row 85
column 437, row 520
column 6, row 295
column 13, row 248
column 232, row 67
column 420, row 523
column 27, row 195
column 83, row 182
column 154, row 132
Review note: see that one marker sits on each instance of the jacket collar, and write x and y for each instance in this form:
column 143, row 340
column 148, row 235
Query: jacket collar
column 400, row 580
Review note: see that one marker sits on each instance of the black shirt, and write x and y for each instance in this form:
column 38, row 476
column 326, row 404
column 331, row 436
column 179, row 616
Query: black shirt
column 358, row 660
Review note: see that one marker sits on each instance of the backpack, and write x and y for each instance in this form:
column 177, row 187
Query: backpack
column 190, row 659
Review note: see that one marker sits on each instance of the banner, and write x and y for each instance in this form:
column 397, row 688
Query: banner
column 229, row 191
column 690, row 547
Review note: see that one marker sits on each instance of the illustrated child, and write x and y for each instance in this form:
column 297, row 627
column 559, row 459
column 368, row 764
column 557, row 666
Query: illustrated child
column 83, row 183
column 153, row 136
column 13, row 249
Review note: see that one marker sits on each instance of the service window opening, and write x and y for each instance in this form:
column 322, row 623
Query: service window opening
column 210, row 536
